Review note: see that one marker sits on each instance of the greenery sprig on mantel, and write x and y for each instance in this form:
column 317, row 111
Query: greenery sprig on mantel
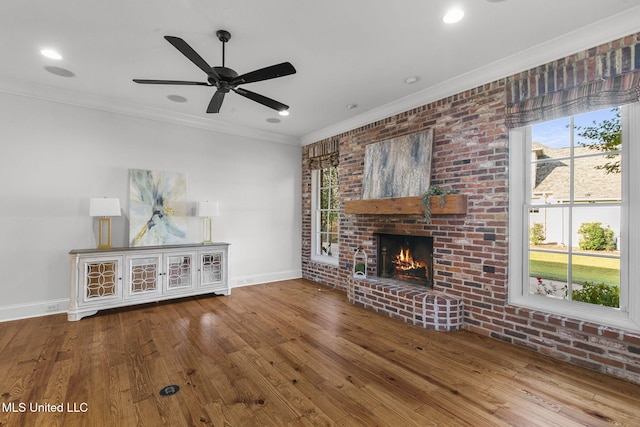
column 434, row 190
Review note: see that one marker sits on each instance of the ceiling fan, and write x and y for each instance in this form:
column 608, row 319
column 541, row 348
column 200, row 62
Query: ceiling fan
column 225, row 79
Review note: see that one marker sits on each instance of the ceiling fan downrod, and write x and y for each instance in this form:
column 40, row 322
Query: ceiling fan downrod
column 224, row 37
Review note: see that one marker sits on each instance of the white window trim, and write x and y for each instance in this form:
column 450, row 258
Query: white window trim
column 315, row 222
column 628, row 317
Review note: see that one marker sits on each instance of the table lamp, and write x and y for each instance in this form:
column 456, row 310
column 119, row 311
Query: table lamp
column 104, row 207
column 207, row 210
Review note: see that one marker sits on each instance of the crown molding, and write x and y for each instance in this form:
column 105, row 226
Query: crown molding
column 592, row 35
column 112, row 105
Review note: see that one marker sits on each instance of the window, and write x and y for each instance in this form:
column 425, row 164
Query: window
column 325, row 207
column 571, row 222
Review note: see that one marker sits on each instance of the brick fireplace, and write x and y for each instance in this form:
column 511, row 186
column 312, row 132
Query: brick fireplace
column 402, row 287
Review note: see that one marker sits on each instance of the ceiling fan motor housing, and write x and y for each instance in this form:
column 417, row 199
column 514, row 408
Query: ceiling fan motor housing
column 226, row 76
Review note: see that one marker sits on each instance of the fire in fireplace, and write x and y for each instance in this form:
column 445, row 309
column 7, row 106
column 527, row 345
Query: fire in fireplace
column 405, row 258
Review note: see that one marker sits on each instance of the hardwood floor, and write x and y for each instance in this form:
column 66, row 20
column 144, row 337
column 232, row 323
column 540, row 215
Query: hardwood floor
column 286, row 353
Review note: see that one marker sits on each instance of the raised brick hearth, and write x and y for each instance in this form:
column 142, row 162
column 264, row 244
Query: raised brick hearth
column 414, row 304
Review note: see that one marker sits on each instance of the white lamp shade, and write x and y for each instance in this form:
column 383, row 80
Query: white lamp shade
column 207, row 209
column 104, row 206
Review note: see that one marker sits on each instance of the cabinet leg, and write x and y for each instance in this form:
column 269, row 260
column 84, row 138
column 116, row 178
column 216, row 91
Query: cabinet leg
column 75, row 316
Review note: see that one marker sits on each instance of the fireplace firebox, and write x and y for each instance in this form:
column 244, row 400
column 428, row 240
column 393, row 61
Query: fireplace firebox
column 405, row 258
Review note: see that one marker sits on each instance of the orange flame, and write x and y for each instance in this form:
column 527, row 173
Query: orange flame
column 404, row 261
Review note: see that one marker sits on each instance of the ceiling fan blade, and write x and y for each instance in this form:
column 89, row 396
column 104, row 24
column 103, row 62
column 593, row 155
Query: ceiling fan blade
column 192, row 55
column 271, row 103
column 278, row 70
column 170, row 82
column 216, row 102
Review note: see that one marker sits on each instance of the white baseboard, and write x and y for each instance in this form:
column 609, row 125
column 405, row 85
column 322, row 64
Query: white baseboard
column 34, row 309
column 241, row 281
column 46, row 308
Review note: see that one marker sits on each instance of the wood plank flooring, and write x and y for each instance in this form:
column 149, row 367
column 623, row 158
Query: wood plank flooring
column 287, row 353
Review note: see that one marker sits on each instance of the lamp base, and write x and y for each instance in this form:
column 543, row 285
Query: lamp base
column 104, row 228
column 207, row 225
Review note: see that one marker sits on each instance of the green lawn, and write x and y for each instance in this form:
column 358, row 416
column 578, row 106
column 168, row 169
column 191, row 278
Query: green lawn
column 553, row 266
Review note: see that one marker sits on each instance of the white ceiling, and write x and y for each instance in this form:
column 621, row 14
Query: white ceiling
column 345, row 52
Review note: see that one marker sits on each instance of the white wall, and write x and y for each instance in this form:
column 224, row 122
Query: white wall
column 54, row 157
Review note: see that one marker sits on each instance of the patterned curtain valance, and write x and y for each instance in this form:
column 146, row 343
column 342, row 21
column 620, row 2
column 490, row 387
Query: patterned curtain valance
column 609, row 93
column 324, row 154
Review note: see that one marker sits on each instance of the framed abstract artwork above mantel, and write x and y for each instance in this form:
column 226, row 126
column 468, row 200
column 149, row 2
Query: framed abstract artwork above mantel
column 157, row 208
column 399, row 167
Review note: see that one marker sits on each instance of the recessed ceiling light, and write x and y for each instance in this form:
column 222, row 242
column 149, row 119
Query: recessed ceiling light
column 177, row 98
column 411, row 80
column 284, row 112
column 352, row 106
column 62, row 72
column 453, row 16
column 51, row 54
column 273, row 120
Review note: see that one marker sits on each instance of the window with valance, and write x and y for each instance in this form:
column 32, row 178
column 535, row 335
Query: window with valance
column 573, row 176
column 325, row 204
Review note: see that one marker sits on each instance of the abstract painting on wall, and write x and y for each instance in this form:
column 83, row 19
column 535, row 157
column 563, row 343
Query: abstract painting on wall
column 400, row 167
column 157, row 208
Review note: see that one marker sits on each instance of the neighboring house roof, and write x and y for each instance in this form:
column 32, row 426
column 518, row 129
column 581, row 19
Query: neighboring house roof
column 552, row 176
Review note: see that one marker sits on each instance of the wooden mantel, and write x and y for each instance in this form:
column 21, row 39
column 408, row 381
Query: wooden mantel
column 453, row 204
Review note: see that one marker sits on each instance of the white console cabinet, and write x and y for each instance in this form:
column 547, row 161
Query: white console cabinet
column 118, row 277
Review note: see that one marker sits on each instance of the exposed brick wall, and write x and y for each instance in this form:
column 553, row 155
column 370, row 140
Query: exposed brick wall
column 601, row 62
column 470, row 154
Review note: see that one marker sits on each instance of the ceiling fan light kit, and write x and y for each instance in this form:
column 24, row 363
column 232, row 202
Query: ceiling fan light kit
column 225, row 79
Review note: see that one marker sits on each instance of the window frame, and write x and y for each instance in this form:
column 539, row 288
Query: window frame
column 628, row 315
column 316, row 219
